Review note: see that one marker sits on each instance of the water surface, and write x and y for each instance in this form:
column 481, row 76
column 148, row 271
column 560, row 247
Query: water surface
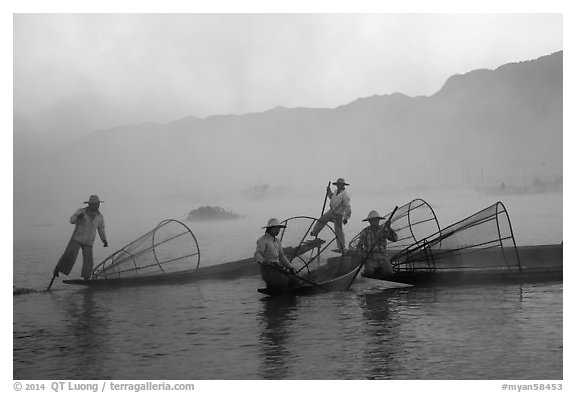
column 227, row 330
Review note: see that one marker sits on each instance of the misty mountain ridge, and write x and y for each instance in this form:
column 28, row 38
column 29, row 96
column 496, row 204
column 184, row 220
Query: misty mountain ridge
column 484, row 125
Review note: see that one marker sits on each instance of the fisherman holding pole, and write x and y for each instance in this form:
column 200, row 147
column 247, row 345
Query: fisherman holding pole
column 372, row 246
column 339, row 212
column 87, row 221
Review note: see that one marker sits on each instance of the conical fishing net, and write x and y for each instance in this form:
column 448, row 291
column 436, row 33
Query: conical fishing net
column 170, row 247
column 304, row 251
column 457, row 246
column 412, row 222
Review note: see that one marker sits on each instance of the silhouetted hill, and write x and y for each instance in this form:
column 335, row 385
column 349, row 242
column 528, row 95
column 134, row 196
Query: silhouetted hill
column 498, row 123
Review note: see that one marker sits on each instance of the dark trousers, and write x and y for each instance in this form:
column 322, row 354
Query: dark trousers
column 68, row 259
column 275, row 278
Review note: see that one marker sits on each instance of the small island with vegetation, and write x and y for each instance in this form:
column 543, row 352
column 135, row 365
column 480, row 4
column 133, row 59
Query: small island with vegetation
column 205, row 213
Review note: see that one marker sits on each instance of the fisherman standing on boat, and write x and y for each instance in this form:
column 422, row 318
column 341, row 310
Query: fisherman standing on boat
column 88, row 220
column 274, row 265
column 339, row 213
column 372, row 246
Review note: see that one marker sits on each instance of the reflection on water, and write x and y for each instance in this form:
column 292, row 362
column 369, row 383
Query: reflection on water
column 275, row 324
column 86, row 328
column 483, row 332
column 227, row 330
column 382, row 328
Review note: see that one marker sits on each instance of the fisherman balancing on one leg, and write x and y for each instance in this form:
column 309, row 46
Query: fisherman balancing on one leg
column 88, row 221
column 339, row 213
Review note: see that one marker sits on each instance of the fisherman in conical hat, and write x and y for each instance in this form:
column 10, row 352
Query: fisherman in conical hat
column 372, row 246
column 87, row 220
column 339, row 212
column 275, row 267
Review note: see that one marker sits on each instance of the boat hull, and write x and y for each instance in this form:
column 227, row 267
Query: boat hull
column 537, row 264
column 337, row 275
column 226, row 271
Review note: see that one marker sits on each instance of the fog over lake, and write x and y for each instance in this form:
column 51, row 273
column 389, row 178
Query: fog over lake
column 162, row 114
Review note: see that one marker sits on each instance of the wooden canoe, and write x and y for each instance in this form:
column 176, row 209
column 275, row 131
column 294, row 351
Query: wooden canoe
column 336, row 275
column 225, row 271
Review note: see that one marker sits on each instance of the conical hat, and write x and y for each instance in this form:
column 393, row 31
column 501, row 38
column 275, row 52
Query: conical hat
column 373, row 214
column 340, row 181
column 93, row 199
column 273, row 222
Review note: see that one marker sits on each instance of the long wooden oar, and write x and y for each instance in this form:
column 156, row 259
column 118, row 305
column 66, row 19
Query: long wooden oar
column 53, row 276
column 324, row 205
column 325, row 199
column 51, row 282
column 388, row 221
column 323, row 208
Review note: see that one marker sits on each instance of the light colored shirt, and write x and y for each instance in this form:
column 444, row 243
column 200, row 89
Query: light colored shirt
column 340, row 204
column 87, row 226
column 269, row 250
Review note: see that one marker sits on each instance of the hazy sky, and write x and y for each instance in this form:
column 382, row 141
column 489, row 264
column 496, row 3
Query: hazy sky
column 75, row 73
